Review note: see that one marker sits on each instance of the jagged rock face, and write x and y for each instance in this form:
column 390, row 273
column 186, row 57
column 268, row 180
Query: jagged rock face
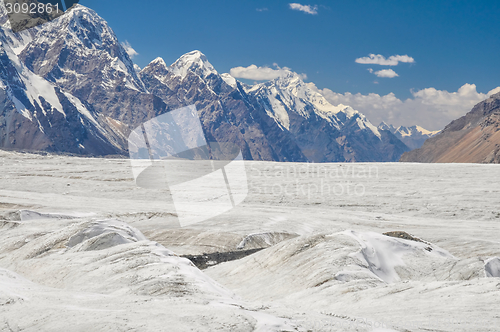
column 101, row 97
column 81, row 53
column 473, row 138
column 83, row 56
column 315, row 135
column 413, row 137
column 36, row 114
column 226, row 112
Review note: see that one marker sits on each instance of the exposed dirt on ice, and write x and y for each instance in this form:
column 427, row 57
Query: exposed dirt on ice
column 403, row 235
column 206, row 260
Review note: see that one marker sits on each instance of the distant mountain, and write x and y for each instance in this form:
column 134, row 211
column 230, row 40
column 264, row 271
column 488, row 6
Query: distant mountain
column 324, row 132
column 413, row 137
column 69, row 86
column 473, row 138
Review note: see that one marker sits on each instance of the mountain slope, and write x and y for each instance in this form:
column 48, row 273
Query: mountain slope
column 413, row 137
column 81, row 54
column 473, row 138
column 36, row 114
column 324, row 132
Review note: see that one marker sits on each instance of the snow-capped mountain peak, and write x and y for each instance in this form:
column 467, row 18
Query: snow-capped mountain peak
column 85, row 39
column 405, row 131
column 158, row 62
column 157, row 68
column 85, row 27
column 289, row 93
column 195, row 62
column 427, row 132
column 414, row 130
column 296, row 87
column 384, row 126
column 413, row 136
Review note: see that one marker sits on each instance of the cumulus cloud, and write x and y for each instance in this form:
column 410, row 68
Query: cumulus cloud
column 383, row 73
column 255, row 73
column 378, row 59
column 313, row 10
column 129, row 49
column 386, row 73
column 430, row 108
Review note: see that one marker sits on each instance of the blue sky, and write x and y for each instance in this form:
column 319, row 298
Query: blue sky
column 452, row 43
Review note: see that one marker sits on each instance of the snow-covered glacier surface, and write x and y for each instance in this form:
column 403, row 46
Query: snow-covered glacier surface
column 314, row 247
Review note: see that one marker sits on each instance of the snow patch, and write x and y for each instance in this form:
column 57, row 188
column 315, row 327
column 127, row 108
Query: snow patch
column 105, row 234
column 230, row 80
column 382, row 254
column 17, row 41
column 492, row 267
column 36, row 87
column 20, row 106
column 82, row 109
column 266, row 322
column 262, row 240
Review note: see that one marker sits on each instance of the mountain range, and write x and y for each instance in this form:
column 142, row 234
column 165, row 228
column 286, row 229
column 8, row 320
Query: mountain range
column 413, row 137
column 69, row 86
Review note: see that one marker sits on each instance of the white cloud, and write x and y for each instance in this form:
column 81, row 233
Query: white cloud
column 386, row 73
column 262, row 9
column 129, row 49
column 379, row 59
column 430, row 108
column 255, row 73
column 313, row 10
